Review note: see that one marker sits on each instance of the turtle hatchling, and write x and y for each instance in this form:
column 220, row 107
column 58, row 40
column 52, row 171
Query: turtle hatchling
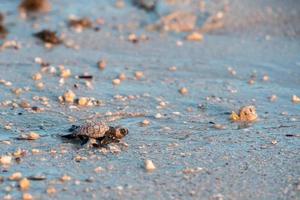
column 99, row 132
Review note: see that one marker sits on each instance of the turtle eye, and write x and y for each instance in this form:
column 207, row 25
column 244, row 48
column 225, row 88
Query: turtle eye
column 124, row 131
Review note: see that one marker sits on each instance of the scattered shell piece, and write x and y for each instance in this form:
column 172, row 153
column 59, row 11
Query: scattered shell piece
column 172, row 68
column 194, row 37
column 158, row 116
column 274, row 142
column 65, row 178
column 145, row 122
column 27, row 196
column 17, row 91
column 24, row 104
column 149, row 166
column 122, row 77
column 24, row 184
column 139, row 75
column 219, row 126
column 251, row 81
column 30, row 136
column 69, row 96
column 266, row 78
column 133, row 38
column 51, row 190
column 116, row 81
column 295, row 99
column 83, row 101
column 65, row 73
column 15, row 176
column 37, row 76
column 273, row 98
column 98, row 169
column 5, row 160
column 101, row 64
column 183, row 91
column 231, row 71
column 40, row 85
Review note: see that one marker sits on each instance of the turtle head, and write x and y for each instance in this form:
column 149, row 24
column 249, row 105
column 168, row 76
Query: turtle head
column 120, row 132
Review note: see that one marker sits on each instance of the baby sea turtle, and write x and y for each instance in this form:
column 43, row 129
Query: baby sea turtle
column 99, row 131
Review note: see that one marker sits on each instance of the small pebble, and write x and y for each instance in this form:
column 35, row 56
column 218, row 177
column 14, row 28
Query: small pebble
column 149, row 166
column 30, row 136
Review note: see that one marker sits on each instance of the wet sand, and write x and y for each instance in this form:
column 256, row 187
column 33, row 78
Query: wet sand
column 193, row 159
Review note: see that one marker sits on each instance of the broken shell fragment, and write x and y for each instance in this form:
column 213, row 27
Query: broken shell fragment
column 295, row 99
column 149, row 166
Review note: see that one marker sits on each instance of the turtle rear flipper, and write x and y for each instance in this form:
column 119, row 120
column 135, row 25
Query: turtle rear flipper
column 70, row 136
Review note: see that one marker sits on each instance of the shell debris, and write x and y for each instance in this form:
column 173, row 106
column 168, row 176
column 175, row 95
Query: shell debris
column 149, row 165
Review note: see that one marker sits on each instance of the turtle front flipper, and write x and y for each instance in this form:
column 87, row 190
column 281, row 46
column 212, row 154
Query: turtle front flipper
column 84, row 140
